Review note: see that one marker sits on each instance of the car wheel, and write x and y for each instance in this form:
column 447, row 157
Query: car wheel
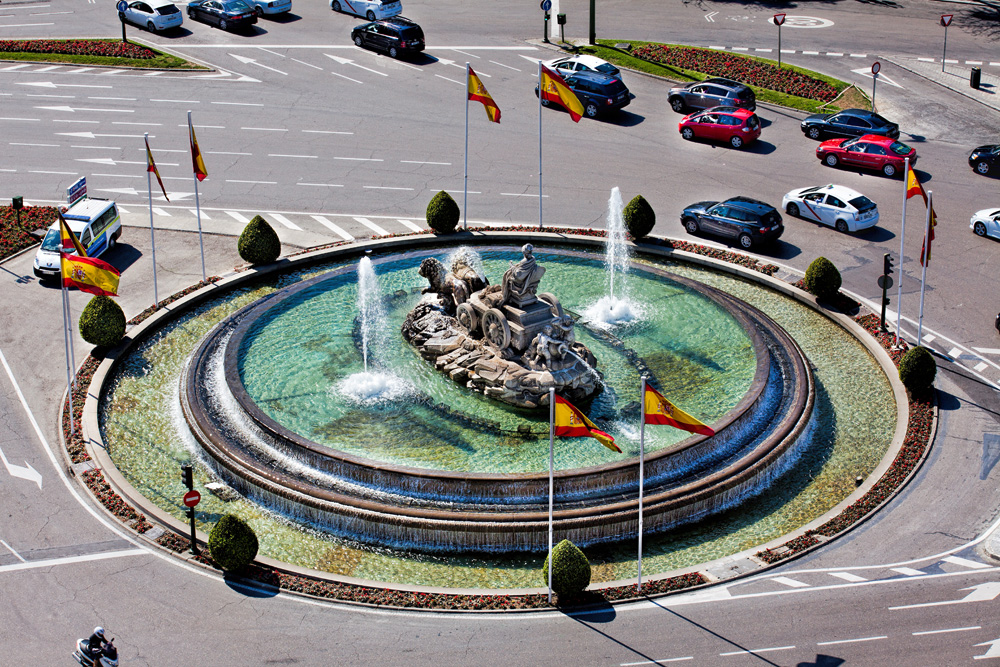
column 370, row 15
column 335, row 6
column 832, row 160
column 677, row 104
column 150, row 27
column 842, row 227
column 983, row 167
column 357, row 40
column 792, row 210
column 889, row 170
column 736, row 141
column 258, row 11
column 746, row 241
column 815, row 133
column 687, row 133
column 691, row 225
column 393, row 53
column 590, row 110
column 223, row 24
column 979, row 229
column 191, row 14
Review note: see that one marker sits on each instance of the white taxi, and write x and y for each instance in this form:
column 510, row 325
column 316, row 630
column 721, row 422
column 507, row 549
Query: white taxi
column 841, row 207
column 154, row 15
column 370, row 9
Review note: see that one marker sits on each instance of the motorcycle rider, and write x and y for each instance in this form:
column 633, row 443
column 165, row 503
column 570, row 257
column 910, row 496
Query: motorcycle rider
column 96, row 643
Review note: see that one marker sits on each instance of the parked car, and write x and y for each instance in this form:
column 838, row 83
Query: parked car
column 582, row 63
column 94, row 222
column 748, row 221
column 985, row 158
column 270, row 7
column 598, row 93
column 711, row 93
column 986, row 222
column 848, row 123
column 840, row 207
column 733, row 125
column 868, row 152
column 224, row 13
column 370, row 9
column 154, row 15
column 395, row 36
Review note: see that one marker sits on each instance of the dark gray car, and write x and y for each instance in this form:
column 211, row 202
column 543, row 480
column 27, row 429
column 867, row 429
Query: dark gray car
column 848, row 123
column 711, row 93
column 747, row 221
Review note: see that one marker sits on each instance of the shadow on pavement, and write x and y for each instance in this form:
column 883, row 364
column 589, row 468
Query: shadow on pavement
column 823, row 660
column 249, row 589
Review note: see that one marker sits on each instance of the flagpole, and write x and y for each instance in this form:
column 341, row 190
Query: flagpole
column 902, row 235
column 197, row 207
column 925, row 261
column 552, row 429
column 540, row 93
column 152, row 236
column 465, row 194
column 642, row 459
column 66, row 325
column 69, row 329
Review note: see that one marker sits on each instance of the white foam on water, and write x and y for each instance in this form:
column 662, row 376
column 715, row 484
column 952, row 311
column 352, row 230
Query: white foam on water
column 368, row 388
column 610, row 311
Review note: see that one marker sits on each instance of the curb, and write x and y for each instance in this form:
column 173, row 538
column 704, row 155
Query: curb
column 959, row 91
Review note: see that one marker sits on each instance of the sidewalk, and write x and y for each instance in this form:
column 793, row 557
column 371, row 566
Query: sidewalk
column 954, row 77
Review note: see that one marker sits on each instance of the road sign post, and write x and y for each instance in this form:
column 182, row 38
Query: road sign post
column 593, row 29
column 546, row 5
column 945, row 21
column 191, row 498
column 779, row 19
column 885, row 282
column 122, row 6
column 876, row 66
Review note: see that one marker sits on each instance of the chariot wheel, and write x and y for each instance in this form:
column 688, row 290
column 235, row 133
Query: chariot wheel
column 496, row 329
column 466, row 316
column 554, row 305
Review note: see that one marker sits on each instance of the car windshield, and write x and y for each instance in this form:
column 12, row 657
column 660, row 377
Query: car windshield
column 899, row 148
column 862, row 203
column 849, row 142
column 752, row 122
column 166, row 10
column 878, row 121
column 607, row 68
column 52, row 241
column 236, row 6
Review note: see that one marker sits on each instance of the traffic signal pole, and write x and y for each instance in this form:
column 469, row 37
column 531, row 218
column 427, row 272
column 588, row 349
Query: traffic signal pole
column 187, row 473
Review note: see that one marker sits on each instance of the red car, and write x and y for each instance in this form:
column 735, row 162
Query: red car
column 869, row 151
column 730, row 124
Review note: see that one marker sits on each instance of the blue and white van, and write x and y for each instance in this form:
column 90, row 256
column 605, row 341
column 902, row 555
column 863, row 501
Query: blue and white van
column 97, row 226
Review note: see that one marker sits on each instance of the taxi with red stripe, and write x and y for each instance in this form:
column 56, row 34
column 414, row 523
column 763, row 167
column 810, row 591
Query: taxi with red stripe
column 840, row 207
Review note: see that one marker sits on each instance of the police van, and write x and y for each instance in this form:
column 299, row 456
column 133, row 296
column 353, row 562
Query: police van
column 95, row 223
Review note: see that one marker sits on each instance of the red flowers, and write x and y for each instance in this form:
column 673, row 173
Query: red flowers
column 16, row 236
column 78, row 47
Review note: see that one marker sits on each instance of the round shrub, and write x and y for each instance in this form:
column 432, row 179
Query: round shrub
column 917, row 369
column 639, row 217
column 233, row 543
column 258, row 243
column 442, row 213
column 102, row 322
column 571, row 573
column 823, row 279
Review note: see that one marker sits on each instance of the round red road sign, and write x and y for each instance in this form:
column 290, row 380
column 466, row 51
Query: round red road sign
column 192, row 498
column 876, row 66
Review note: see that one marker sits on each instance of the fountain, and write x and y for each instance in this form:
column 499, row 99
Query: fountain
column 615, row 307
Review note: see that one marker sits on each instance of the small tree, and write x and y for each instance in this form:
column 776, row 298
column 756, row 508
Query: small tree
column 823, row 279
column 258, row 243
column 917, row 369
column 102, row 322
column 639, row 217
column 443, row 213
column 233, row 543
column 571, row 572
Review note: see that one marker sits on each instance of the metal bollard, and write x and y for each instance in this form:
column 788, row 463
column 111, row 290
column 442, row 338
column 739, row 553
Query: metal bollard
column 975, row 76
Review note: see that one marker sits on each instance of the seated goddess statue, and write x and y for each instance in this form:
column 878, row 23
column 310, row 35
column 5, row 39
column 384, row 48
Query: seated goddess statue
column 521, row 280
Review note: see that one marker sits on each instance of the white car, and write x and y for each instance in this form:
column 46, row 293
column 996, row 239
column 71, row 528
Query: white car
column 370, row 9
column 154, row 15
column 986, row 222
column 270, row 6
column 583, row 63
column 834, row 205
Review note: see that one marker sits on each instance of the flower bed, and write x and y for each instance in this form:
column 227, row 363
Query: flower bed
column 94, row 479
column 79, row 47
column 16, row 236
column 841, row 302
column 750, row 71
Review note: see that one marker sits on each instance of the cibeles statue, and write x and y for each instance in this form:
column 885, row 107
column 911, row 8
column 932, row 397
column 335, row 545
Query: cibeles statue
column 520, row 281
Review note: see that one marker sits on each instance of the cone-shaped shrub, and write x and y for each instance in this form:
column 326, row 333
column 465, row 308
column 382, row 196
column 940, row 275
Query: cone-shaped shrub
column 258, row 243
column 823, row 279
column 917, row 369
column 233, row 543
column 442, row 213
column 639, row 217
column 571, row 573
column 102, row 322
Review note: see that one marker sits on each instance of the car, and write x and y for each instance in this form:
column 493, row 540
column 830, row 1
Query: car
column 224, row 13
column 840, row 207
column 270, row 7
column 711, row 93
column 395, row 35
column 154, row 15
column 370, row 9
column 985, row 158
column 749, row 221
column 598, row 93
column 735, row 126
column 986, row 222
column 95, row 223
column 848, row 123
column 582, row 63
column 869, row 151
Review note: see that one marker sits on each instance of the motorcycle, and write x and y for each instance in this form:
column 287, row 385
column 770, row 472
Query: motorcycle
column 108, row 656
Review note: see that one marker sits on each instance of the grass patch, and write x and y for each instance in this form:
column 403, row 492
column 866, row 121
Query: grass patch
column 159, row 61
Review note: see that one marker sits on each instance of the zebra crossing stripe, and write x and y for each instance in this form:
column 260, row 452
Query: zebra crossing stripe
column 204, row 215
column 372, row 226
column 410, row 225
column 964, row 562
column 908, row 571
column 336, row 229
column 793, row 583
column 238, row 217
column 160, row 211
column 285, row 221
column 847, row 576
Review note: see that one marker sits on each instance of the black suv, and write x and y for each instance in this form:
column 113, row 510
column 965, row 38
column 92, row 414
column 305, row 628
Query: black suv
column 749, row 221
column 848, row 123
column 711, row 93
column 598, row 93
column 394, row 35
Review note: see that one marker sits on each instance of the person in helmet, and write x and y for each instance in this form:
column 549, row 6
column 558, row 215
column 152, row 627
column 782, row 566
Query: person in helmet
column 96, row 642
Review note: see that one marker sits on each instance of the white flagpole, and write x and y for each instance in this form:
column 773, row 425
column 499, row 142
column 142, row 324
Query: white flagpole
column 197, row 203
column 642, row 460
column 902, row 235
column 923, row 272
column 465, row 194
column 541, row 91
column 152, row 236
column 552, row 430
column 66, row 325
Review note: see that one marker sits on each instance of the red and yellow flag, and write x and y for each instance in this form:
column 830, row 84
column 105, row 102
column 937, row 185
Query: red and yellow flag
column 660, row 411
column 927, row 241
column 913, row 187
column 572, row 423
column 478, row 93
column 200, row 171
column 89, row 274
column 151, row 166
column 554, row 89
column 69, row 241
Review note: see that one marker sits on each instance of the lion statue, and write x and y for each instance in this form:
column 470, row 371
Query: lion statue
column 459, row 283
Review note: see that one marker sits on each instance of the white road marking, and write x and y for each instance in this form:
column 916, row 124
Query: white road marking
column 659, row 661
column 982, row 350
column 194, row 212
column 160, row 211
column 33, row 120
column 266, row 129
column 251, row 61
column 372, row 226
column 325, row 132
column 240, row 104
column 954, row 352
column 63, row 120
column 116, row 99
column 301, row 62
column 121, row 176
column 224, row 153
column 49, row 84
column 207, row 127
column 787, row 581
column 252, row 182
column 59, row 97
column 859, row 55
column 348, row 61
column 521, row 194
column 285, row 221
column 23, row 25
column 310, row 157
column 29, row 7
column 13, row 67
column 342, row 76
column 740, row 48
column 831, row 53
column 361, row 159
column 238, row 217
column 788, row 50
column 963, row 562
column 852, row 641
column 410, row 225
column 763, row 50
column 939, row 632
column 810, row 53
column 273, row 53
column 981, row 366
column 471, row 55
column 461, row 83
column 973, row 62
column 58, row 173
column 847, row 576
column 75, row 109
column 41, row 145
column 23, row 472
column 128, row 122
column 382, row 187
column 908, row 571
column 35, row 564
column 322, row 185
column 177, row 101
column 507, row 66
column 424, row 162
column 992, row 652
column 759, row 650
column 950, row 61
column 336, row 229
column 11, row 549
column 984, row 592
column 929, row 338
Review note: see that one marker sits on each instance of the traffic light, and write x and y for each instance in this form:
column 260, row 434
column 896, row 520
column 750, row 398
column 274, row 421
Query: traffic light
column 187, row 474
column 887, row 264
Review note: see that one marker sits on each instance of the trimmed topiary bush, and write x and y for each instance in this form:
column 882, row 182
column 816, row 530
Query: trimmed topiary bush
column 571, row 574
column 442, row 213
column 233, row 543
column 639, row 217
column 917, row 369
column 823, row 279
column 258, row 243
column 102, row 322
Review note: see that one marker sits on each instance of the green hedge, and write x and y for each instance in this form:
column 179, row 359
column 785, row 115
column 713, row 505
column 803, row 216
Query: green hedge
column 917, row 369
column 258, row 244
column 823, row 279
column 443, row 213
column 639, row 217
column 571, row 573
column 102, row 322
column 233, row 543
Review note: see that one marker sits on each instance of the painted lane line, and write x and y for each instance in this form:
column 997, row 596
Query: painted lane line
column 348, row 61
column 310, row 157
column 273, row 53
column 117, row 99
column 32, row 120
column 788, row 50
column 940, row 632
column 251, row 61
column 847, row 576
column 252, row 182
column 719, row 48
column 302, row 62
column 40, row 145
column 507, row 66
column 949, row 61
column 285, row 221
column 447, row 164
column 59, row 97
column 859, row 55
column 908, row 571
column 759, row 650
column 954, row 353
column 176, row 101
column 342, row 76
column 49, row 84
column 30, row 7
column 238, row 217
column 325, row 132
column 69, row 560
column 372, row 226
column 983, row 350
column 50, row 14
column 981, row 366
column 656, row 662
column 410, row 225
column 12, row 68
column 75, row 109
column 740, row 48
column 810, row 53
column 265, row 129
column 383, row 187
column 11, row 549
column 929, row 338
column 158, row 150
column 360, row 159
column 128, row 122
column 763, row 50
column 207, row 127
column 58, row 173
column 984, row 592
column 322, row 185
column 9, row 171
column 161, row 212
column 963, row 562
column 471, row 55
column 994, row 64
column 852, row 641
column 789, row 582
column 461, row 83
column 91, row 122
column 832, row 53
column 336, row 229
column 520, row 194
column 23, row 25
column 194, row 211
column 223, row 153
column 126, row 176
column 973, row 62
column 91, row 135
column 240, row 104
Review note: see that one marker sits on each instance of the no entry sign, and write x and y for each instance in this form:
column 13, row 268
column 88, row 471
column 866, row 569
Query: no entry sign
column 191, row 498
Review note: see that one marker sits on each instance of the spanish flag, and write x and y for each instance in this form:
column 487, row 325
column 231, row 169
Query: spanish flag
column 89, row 274
column 570, row 422
column 913, row 187
column 200, row 171
column 927, row 241
column 554, row 89
column 69, row 241
column 478, row 93
column 660, row 411
column 151, row 166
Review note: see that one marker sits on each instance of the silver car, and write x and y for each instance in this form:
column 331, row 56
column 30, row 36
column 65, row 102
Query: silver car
column 154, row 15
column 711, row 93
